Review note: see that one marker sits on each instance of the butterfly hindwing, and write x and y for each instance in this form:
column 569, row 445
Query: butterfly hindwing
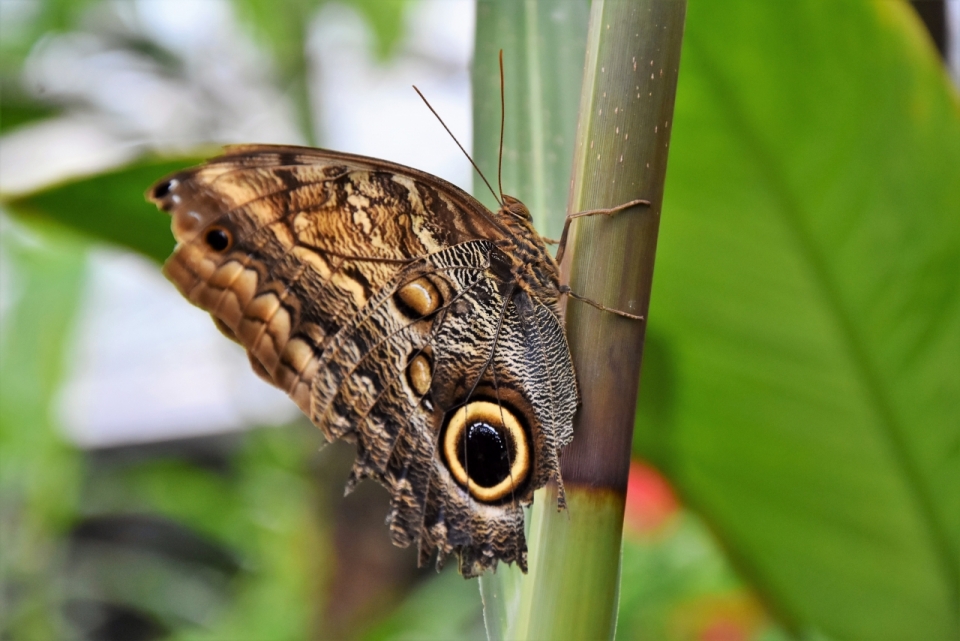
column 394, row 378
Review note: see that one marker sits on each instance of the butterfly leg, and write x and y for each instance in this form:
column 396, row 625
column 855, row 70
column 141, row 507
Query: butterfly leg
column 565, row 289
column 610, row 211
column 561, row 494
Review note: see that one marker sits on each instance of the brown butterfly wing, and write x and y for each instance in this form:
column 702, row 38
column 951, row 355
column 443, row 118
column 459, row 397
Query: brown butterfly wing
column 481, row 347
column 366, row 291
column 315, row 235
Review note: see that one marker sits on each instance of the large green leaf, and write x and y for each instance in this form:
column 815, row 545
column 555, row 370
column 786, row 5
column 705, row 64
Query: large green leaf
column 109, row 206
column 807, row 306
column 16, row 113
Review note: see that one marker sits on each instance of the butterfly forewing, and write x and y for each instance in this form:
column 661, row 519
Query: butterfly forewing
column 377, row 296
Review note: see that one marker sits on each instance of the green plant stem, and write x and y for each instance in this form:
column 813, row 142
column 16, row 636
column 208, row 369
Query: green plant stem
column 543, row 51
column 543, row 44
column 626, row 109
column 633, row 53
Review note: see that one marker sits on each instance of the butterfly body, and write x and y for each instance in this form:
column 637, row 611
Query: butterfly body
column 399, row 314
column 533, row 268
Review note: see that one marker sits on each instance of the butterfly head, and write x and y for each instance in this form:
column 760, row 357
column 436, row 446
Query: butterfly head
column 515, row 208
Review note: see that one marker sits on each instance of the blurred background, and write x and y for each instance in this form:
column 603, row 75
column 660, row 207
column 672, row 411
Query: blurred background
column 151, row 486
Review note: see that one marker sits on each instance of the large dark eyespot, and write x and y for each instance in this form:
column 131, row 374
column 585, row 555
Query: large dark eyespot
column 485, row 453
column 486, row 450
column 218, row 239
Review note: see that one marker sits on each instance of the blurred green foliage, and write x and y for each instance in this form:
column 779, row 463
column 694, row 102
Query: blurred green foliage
column 282, row 27
column 111, row 206
column 800, row 381
column 676, row 586
column 39, row 473
column 43, row 18
column 260, row 509
column 445, row 608
column 806, row 312
column 13, row 115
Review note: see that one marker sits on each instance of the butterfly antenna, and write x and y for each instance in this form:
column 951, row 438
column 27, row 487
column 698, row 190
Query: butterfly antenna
column 434, row 111
column 503, row 117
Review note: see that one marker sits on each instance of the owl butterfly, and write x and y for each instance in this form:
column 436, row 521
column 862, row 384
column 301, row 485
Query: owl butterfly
column 399, row 314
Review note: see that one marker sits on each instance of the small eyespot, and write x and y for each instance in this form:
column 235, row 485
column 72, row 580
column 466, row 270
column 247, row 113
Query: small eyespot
column 486, row 450
column 418, row 299
column 419, row 373
column 162, row 189
column 218, row 239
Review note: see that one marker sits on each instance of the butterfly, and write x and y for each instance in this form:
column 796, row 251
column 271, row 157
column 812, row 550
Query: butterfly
column 399, row 314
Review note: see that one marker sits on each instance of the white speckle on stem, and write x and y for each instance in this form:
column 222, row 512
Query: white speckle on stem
column 655, row 128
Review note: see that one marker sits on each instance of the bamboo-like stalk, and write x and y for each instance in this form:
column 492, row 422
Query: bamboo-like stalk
column 543, row 45
column 629, row 86
column 626, row 110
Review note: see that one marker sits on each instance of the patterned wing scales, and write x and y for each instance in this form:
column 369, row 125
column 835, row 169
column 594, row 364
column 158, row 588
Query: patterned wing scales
column 301, row 241
column 483, row 342
column 366, row 291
